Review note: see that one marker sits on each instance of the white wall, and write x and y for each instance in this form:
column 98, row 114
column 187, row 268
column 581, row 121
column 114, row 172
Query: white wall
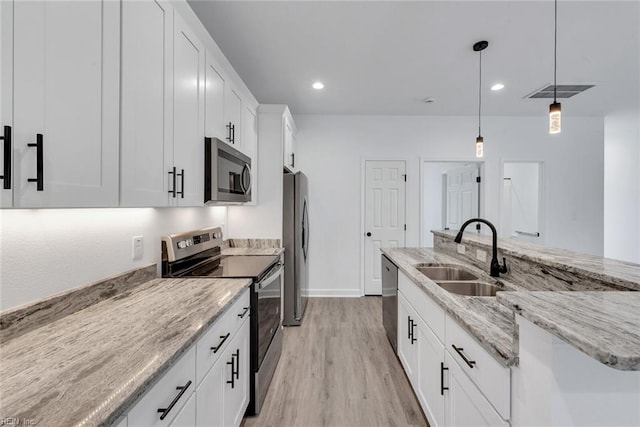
column 331, row 150
column 622, row 186
column 47, row 251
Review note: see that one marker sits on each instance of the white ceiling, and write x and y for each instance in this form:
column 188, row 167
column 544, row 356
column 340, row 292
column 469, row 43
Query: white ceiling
column 387, row 57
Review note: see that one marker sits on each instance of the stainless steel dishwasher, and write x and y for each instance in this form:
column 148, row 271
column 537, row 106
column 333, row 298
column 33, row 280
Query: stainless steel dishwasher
column 390, row 300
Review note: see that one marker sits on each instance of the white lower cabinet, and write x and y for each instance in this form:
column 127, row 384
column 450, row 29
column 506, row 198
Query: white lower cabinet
column 217, row 396
column 449, row 393
column 465, row 404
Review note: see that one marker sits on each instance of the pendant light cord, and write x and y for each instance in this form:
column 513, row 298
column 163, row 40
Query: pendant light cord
column 480, row 96
column 555, row 50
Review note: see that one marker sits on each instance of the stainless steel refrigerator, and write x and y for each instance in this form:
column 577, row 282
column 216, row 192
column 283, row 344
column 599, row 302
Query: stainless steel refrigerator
column 295, row 233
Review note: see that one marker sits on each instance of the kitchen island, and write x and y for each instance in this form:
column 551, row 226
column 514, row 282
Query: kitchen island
column 573, row 358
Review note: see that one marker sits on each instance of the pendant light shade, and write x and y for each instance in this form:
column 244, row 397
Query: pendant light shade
column 555, row 113
column 479, row 47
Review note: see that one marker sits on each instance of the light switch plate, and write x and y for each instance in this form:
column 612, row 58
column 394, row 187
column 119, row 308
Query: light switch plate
column 481, row 255
column 461, row 249
column 138, row 242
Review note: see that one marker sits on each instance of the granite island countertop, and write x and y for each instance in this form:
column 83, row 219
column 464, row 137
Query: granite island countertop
column 603, row 325
column 490, row 322
column 89, row 367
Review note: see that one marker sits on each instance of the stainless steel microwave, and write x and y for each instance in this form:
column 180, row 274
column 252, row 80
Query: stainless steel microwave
column 227, row 174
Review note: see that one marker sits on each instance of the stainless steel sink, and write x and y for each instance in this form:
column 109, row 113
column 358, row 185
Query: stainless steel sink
column 437, row 273
column 470, row 289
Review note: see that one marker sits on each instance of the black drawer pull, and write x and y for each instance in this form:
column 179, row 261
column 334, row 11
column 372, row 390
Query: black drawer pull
column 39, row 146
column 442, row 387
column 223, row 338
column 173, row 172
column 459, row 350
column 413, row 335
column 237, row 355
column 6, row 137
column 181, row 192
column 232, row 381
column 244, row 313
column 165, row 411
column 408, row 327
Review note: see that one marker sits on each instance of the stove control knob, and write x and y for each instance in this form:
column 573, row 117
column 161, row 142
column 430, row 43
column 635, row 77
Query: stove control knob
column 182, row 244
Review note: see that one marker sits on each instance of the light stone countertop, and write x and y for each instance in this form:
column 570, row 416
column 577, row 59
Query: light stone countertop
column 603, row 325
column 490, row 322
column 615, row 271
column 89, row 367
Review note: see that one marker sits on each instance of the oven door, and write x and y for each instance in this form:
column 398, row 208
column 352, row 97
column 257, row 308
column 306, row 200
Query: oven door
column 268, row 292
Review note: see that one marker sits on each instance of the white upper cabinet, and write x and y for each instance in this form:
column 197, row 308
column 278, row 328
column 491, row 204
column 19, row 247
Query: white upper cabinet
column 6, row 104
column 66, row 103
column 289, row 151
column 146, row 139
column 250, row 148
column 188, row 115
column 233, row 117
column 214, row 125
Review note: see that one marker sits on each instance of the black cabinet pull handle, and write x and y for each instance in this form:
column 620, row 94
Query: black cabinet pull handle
column 39, row 146
column 229, row 138
column 232, row 381
column 459, row 350
column 413, row 338
column 293, row 160
column 233, row 134
column 442, row 387
column 237, row 355
column 6, row 137
column 244, row 313
column 173, row 172
column 165, row 411
column 181, row 192
column 408, row 327
column 223, row 338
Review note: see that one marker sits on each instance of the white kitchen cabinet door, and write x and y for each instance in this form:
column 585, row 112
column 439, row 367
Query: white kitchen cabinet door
column 188, row 116
column 210, row 394
column 233, row 117
column 6, row 103
column 236, row 393
column 407, row 347
column 214, row 125
column 187, row 415
column 66, row 89
column 250, row 148
column 146, row 141
column 431, row 374
column 464, row 403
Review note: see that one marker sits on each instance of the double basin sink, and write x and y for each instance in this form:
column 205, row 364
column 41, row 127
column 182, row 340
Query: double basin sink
column 457, row 280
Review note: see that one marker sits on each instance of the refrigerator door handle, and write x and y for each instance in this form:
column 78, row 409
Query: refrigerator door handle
column 305, row 229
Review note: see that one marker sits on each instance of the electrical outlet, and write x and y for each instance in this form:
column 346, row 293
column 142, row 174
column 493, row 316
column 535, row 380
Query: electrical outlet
column 137, row 247
column 481, row 255
column 461, row 249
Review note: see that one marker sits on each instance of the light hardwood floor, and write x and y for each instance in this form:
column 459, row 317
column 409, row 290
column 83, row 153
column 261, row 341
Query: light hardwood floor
column 338, row 369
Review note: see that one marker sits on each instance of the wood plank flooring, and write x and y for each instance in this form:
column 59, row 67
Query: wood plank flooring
column 338, row 369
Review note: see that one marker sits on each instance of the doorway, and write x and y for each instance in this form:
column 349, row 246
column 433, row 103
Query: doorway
column 521, row 212
column 384, row 216
column 450, row 195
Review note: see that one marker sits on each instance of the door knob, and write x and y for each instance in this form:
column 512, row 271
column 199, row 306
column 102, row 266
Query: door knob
column 368, row 234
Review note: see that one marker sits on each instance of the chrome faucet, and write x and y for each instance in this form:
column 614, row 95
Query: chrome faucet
column 496, row 268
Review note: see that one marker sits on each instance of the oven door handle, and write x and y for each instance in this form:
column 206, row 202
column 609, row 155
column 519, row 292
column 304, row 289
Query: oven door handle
column 272, row 277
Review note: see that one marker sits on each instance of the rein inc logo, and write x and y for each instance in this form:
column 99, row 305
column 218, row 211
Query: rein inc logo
column 8, row 421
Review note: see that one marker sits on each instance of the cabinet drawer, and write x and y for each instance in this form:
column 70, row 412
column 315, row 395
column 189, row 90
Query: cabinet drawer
column 214, row 341
column 427, row 309
column 165, row 392
column 493, row 380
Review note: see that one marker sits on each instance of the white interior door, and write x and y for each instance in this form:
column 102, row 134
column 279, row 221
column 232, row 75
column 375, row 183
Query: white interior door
column 521, row 201
column 462, row 195
column 384, row 216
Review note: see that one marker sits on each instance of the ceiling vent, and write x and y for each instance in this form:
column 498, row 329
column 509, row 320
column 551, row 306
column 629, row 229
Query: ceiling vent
column 564, row 91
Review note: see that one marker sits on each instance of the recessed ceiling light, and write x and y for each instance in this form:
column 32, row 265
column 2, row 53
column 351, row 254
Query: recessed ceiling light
column 497, row 86
column 318, row 85
column 429, row 100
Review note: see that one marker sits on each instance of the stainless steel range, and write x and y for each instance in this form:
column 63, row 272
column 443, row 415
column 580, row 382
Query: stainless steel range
column 197, row 254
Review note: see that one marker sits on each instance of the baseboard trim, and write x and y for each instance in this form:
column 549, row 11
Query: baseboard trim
column 334, row 293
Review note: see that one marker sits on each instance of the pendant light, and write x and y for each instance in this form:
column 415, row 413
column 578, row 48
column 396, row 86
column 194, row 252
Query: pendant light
column 555, row 114
column 479, row 47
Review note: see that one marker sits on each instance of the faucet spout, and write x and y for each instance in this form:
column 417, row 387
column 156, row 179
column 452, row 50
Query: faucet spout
column 495, row 269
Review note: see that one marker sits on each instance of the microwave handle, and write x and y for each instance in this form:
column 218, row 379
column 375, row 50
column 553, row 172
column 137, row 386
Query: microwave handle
column 246, row 184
